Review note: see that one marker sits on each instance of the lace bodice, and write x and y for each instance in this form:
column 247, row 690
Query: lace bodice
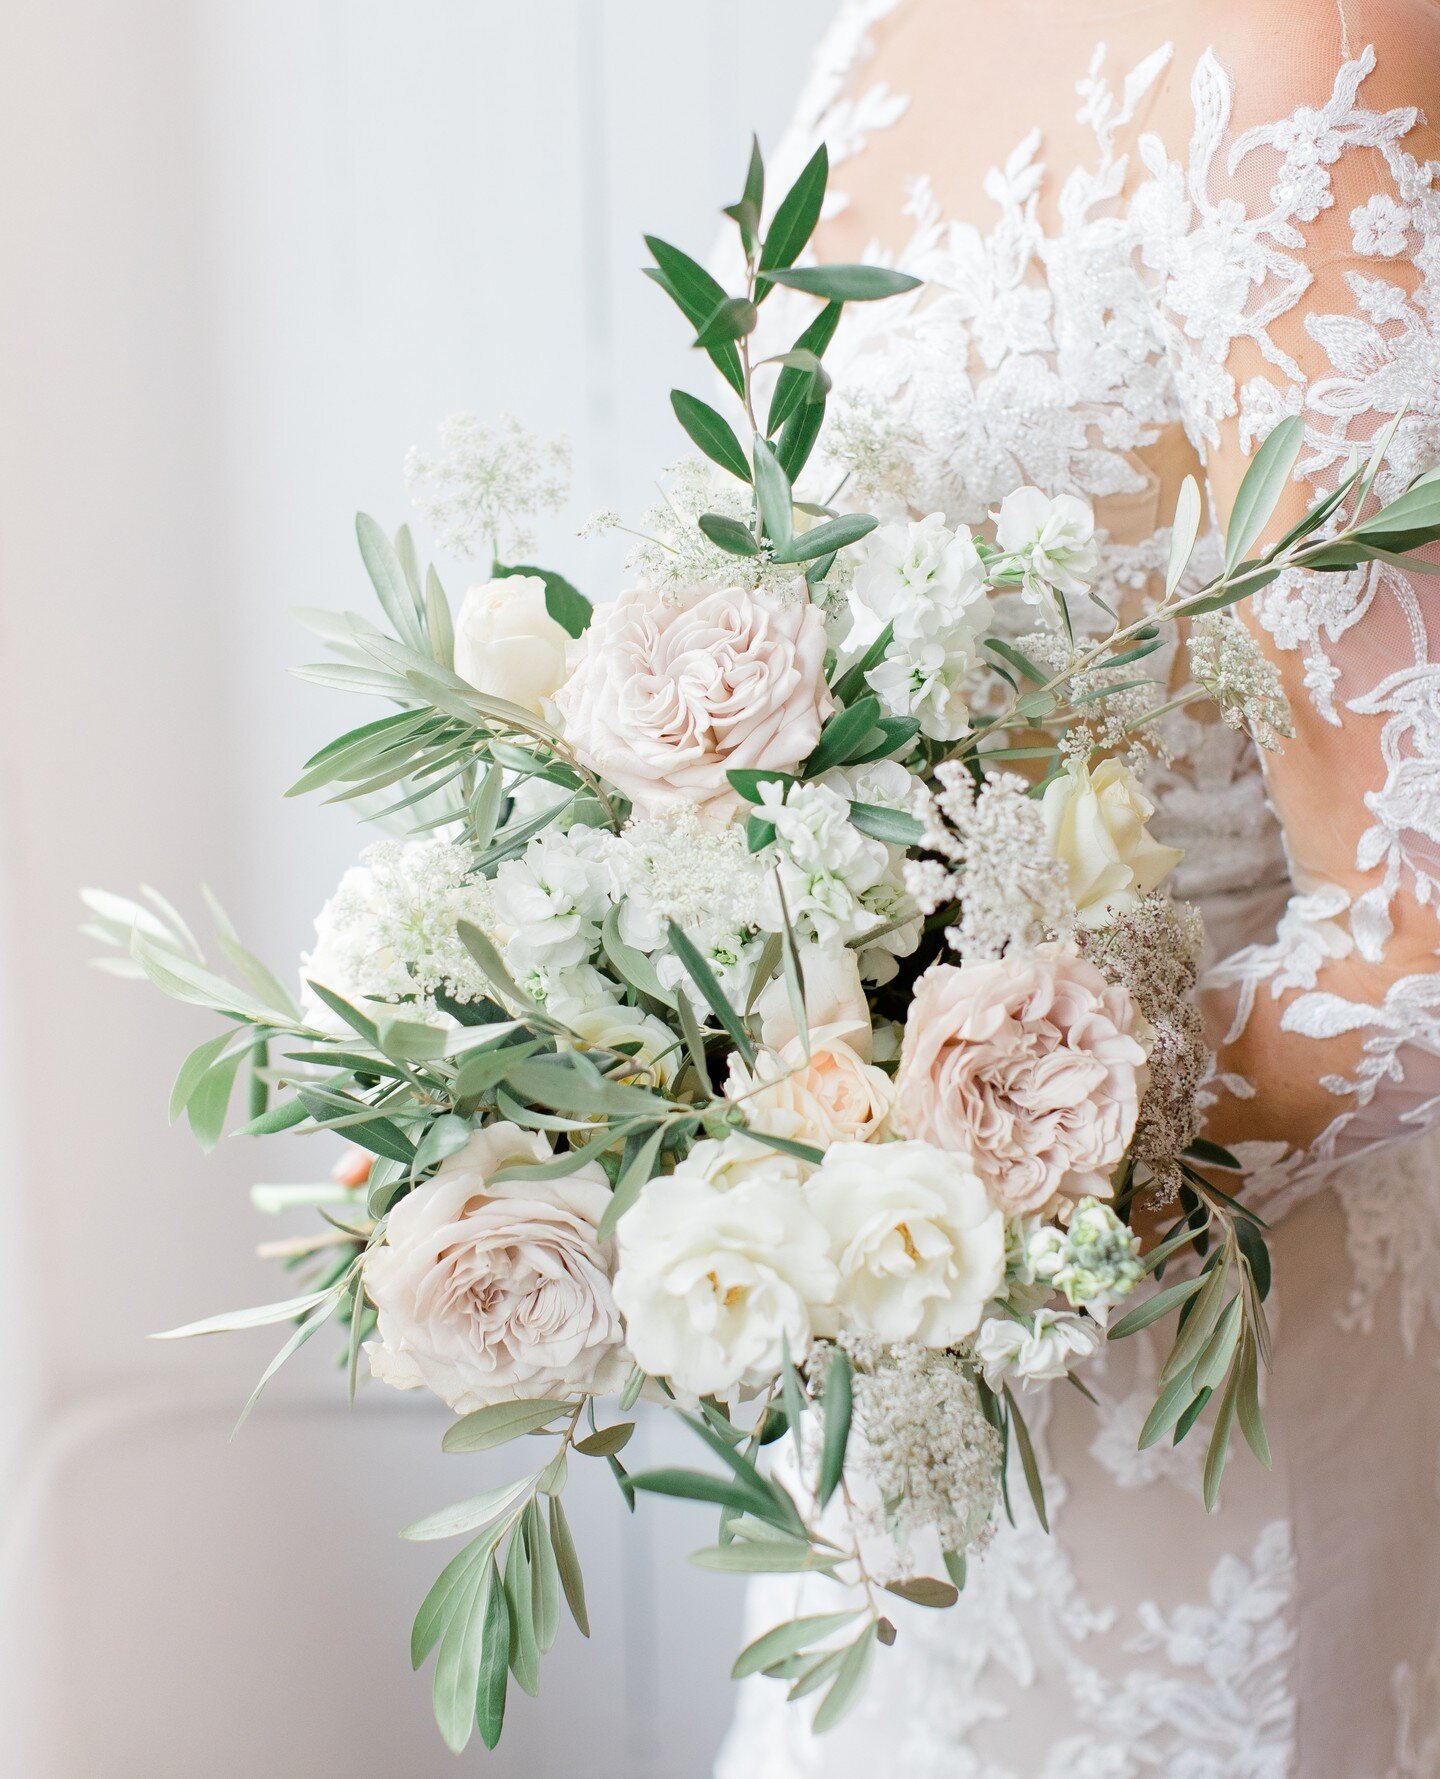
column 1198, row 257
column 1137, row 257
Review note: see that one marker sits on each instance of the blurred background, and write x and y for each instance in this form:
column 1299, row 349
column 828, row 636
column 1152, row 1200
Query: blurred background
column 252, row 254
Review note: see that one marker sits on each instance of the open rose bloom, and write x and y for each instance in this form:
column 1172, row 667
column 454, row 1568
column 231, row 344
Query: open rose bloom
column 672, row 693
column 488, row 1292
column 1033, row 1066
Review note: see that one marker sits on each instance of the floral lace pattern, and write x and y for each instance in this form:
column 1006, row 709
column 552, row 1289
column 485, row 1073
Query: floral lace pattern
column 1055, row 357
column 1306, row 250
column 1196, row 1689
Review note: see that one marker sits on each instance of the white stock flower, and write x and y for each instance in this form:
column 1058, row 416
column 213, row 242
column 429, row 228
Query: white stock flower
column 1057, row 1341
column 917, row 1240
column 489, row 1292
column 549, row 902
column 714, row 1280
column 825, row 864
column 1054, row 541
column 506, row 643
column 925, row 677
column 1099, row 1263
column 925, row 579
column 1095, row 822
column 1044, row 1254
column 731, row 952
column 389, row 933
column 573, row 992
column 885, row 783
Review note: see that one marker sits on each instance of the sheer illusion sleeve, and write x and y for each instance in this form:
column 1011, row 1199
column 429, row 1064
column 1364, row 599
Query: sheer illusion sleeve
column 1296, row 251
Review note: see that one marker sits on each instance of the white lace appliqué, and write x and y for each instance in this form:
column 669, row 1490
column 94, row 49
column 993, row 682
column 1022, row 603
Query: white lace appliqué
column 1055, row 356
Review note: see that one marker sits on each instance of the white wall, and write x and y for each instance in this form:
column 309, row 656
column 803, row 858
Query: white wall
column 252, row 252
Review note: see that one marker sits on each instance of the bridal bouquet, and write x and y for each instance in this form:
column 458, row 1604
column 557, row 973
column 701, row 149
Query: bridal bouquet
column 765, row 1001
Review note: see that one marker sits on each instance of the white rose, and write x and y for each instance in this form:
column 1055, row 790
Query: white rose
column 1058, row 1340
column 714, row 1283
column 490, row 1292
column 506, row 643
column 728, row 1162
column 918, row 1242
column 834, row 998
column 828, row 1096
column 1054, row 541
column 668, row 696
column 610, row 1025
column 1095, row 823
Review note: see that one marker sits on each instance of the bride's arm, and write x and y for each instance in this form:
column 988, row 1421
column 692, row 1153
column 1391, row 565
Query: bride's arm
column 1306, row 279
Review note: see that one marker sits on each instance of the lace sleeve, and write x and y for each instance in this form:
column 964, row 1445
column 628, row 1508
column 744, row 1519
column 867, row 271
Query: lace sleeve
column 1298, row 265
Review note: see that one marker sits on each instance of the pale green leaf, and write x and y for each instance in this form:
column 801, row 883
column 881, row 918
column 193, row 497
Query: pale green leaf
column 501, row 1422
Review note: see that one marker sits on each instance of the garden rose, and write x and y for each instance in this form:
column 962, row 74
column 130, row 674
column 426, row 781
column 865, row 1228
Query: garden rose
column 715, row 1283
column 610, row 1025
column 916, row 1238
column 829, row 1096
column 1095, row 822
column 666, row 698
column 1033, row 1064
column 492, row 1292
column 506, row 643
column 834, row 997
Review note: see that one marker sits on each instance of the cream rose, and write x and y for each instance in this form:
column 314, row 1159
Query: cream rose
column 506, row 643
column 1095, row 822
column 834, row 998
column 716, row 1279
column 667, row 698
column 1034, row 1065
column 490, row 1292
column 916, row 1238
column 829, row 1096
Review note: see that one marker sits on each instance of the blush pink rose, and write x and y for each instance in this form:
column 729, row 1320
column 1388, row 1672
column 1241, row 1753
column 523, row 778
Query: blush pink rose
column 1032, row 1065
column 666, row 698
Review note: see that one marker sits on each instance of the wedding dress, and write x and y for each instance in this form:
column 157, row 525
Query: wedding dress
column 1147, row 231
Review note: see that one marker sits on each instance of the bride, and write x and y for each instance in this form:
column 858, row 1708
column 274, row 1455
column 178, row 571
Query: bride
column 1148, row 229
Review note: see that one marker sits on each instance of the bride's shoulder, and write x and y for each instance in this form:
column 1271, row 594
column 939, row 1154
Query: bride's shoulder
column 1290, row 53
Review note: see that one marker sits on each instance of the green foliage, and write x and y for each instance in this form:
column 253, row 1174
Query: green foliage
column 796, row 214
column 569, row 607
column 847, row 284
column 712, row 432
column 836, row 1411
